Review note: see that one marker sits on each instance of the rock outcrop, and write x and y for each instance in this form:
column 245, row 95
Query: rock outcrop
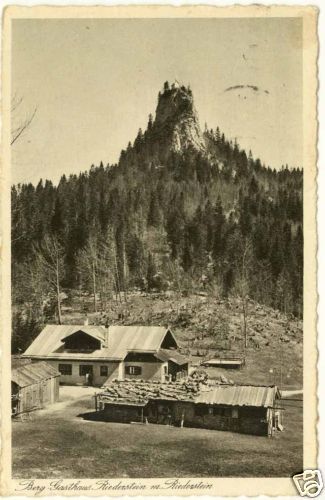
column 176, row 127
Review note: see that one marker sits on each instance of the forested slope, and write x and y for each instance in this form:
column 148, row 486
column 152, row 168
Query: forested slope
column 182, row 210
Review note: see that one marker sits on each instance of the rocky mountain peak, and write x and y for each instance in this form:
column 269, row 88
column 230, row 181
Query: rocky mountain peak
column 176, row 125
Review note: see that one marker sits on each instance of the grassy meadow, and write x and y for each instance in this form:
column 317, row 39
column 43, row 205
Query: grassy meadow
column 60, row 443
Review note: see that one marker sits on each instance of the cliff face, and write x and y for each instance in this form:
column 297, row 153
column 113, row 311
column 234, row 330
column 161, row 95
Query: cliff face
column 174, row 130
column 176, row 125
column 177, row 118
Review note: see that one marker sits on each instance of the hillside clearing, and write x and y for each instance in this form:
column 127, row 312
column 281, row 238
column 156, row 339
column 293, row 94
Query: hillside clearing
column 205, row 325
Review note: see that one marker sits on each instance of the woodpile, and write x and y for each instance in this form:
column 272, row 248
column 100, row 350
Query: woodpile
column 140, row 391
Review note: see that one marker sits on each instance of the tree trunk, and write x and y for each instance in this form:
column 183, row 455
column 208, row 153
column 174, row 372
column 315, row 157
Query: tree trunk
column 58, row 292
column 245, row 325
column 125, row 272
column 94, row 287
column 117, row 280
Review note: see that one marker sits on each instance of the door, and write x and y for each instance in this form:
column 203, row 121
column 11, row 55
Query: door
column 86, row 371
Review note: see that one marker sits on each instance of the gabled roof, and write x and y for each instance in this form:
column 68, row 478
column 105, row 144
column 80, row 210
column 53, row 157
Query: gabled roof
column 240, row 395
column 49, row 341
column 93, row 331
column 120, row 340
column 32, row 373
column 123, row 339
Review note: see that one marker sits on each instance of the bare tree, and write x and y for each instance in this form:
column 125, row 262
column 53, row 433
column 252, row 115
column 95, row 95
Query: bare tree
column 49, row 263
column 98, row 268
column 243, row 283
column 88, row 265
column 110, row 266
column 23, row 124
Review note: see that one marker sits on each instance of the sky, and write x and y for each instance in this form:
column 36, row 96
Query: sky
column 95, row 81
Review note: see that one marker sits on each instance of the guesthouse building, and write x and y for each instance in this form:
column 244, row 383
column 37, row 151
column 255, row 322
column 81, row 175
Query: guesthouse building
column 95, row 355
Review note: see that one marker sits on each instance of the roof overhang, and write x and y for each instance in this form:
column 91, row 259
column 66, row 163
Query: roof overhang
column 174, row 356
column 125, row 403
column 66, row 357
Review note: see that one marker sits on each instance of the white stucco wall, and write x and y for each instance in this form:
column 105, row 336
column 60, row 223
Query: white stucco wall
column 149, row 371
column 76, row 379
column 116, row 370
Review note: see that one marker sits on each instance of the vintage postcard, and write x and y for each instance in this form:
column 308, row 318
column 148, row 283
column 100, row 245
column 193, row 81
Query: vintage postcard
column 158, row 190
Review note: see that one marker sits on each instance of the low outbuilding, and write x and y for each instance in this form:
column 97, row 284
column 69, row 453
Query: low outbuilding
column 246, row 409
column 228, row 362
column 33, row 386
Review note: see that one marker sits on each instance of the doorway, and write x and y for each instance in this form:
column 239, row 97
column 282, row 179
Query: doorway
column 86, row 371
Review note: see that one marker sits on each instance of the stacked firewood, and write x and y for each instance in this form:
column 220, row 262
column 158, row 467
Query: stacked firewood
column 140, row 391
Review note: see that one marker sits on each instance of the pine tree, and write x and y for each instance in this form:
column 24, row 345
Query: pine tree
column 150, row 123
column 154, row 215
column 218, row 240
column 57, row 219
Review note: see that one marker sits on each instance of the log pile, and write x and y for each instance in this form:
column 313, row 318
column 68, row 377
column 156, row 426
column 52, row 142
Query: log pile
column 140, row 391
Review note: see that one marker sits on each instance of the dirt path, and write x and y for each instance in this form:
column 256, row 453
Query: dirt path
column 68, row 396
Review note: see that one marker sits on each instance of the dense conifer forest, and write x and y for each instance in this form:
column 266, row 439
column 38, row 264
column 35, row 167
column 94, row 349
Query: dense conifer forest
column 212, row 218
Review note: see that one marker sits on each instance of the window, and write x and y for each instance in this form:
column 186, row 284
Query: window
column 103, row 371
column 84, row 369
column 133, row 370
column 65, row 369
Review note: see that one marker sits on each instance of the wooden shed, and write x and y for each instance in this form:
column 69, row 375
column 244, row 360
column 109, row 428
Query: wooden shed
column 33, row 386
column 247, row 409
